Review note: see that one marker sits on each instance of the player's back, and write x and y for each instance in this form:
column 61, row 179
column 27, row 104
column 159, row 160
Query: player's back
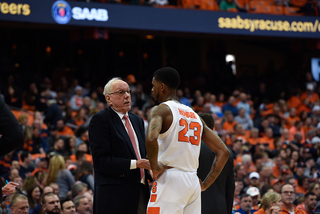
column 179, row 146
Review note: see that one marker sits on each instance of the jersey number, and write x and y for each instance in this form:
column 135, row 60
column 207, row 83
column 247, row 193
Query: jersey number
column 194, row 140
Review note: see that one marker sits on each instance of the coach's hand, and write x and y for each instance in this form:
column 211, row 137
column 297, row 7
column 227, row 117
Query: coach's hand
column 143, row 163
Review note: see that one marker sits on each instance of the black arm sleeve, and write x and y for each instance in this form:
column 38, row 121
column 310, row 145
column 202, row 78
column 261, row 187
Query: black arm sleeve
column 12, row 136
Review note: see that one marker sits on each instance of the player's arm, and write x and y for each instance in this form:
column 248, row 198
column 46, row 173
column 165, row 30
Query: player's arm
column 155, row 126
column 213, row 141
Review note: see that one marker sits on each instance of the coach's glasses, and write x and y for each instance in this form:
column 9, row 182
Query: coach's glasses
column 121, row 93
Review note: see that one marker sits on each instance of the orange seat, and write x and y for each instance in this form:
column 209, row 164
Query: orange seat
column 188, row 4
column 209, row 5
column 299, row 3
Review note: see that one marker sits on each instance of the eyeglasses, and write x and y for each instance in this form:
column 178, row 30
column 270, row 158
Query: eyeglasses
column 287, row 192
column 121, row 93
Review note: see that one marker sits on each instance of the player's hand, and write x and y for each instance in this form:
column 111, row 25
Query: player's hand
column 203, row 188
column 143, row 163
column 158, row 172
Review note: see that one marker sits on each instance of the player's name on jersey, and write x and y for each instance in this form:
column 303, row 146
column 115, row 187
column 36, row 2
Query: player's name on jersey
column 187, row 114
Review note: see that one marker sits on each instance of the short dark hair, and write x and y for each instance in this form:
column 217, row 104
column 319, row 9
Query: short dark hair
column 64, row 201
column 43, row 198
column 208, row 119
column 308, row 194
column 169, row 76
column 24, row 155
column 244, row 195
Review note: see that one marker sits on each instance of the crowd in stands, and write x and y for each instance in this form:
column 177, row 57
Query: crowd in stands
column 273, row 141
column 279, row 7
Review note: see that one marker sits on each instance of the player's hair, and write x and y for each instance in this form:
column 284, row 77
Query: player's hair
column 208, row 119
column 169, row 76
column 268, row 198
column 77, row 199
column 43, row 198
column 15, row 198
column 108, row 86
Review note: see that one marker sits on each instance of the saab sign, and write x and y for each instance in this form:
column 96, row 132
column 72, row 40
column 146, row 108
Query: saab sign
column 62, row 13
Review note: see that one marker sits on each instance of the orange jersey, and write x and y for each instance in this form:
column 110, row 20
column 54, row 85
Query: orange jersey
column 296, row 210
column 290, row 121
column 294, row 102
column 254, row 141
column 313, row 97
column 270, row 142
column 227, row 126
column 66, row 131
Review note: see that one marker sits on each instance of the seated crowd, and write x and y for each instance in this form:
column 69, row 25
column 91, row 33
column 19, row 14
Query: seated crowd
column 273, row 143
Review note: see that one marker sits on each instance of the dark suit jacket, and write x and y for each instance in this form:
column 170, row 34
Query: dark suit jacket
column 218, row 198
column 12, row 136
column 116, row 187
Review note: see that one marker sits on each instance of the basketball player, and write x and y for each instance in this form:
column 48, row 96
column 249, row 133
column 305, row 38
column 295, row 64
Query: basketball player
column 173, row 147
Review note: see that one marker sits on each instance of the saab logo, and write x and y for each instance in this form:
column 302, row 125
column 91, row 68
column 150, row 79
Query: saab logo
column 61, row 12
column 93, row 14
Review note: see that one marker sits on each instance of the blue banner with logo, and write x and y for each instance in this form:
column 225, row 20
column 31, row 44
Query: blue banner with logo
column 159, row 19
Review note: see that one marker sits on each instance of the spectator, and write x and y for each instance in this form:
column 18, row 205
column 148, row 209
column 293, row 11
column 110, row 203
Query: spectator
column 243, row 104
column 309, row 93
column 34, row 194
column 303, row 185
column 81, row 116
column 42, row 165
column 297, row 127
column 76, row 100
column 38, row 209
column 60, row 175
column 19, row 204
column 229, row 106
column 64, row 130
column 270, row 204
column 26, row 167
column 55, row 187
column 254, row 192
column 67, row 206
column 228, row 5
column 288, row 196
column 82, row 205
column 85, row 174
column 229, row 123
column 245, row 205
column 276, row 184
column 79, row 188
column 244, row 119
column 309, row 203
column 214, row 107
column 182, row 99
column 315, row 188
column 51, row 203
column 89, row 196
column 82, row 136
column 58, row 147
column 70, row 146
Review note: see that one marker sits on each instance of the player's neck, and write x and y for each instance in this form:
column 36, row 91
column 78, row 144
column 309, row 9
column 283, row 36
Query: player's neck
column 172, row 97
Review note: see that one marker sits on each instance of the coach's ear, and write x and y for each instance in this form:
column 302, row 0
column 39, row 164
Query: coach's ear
column 108, row 100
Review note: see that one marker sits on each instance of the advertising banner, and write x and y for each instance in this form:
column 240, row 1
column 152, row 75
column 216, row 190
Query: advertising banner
column 158, row 19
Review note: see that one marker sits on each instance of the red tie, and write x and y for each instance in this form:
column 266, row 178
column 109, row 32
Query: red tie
column 133, row 141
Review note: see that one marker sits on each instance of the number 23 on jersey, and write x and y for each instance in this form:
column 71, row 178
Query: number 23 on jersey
column 195, row 126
